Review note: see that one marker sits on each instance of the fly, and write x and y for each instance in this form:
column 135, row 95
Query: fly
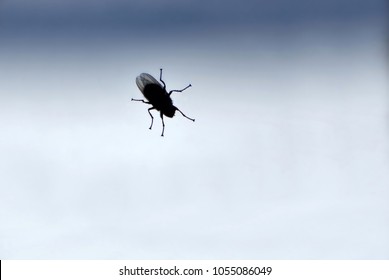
column 158, row 97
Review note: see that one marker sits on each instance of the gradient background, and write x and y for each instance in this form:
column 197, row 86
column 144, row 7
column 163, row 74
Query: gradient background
column 288, row 157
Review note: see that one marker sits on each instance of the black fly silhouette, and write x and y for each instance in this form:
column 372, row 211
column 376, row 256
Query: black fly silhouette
column 157, row 97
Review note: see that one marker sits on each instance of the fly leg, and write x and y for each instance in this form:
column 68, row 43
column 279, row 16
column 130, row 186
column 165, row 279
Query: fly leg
column 132, row 99
column 179, row 90
column 163, row 124
column 152, row 118
column 152, row 108
column 185, row 115
column 160, row 78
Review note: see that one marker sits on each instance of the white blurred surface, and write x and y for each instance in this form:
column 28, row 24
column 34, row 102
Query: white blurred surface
column 287, row 159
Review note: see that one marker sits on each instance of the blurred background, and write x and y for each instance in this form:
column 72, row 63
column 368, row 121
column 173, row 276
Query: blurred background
column 287, row 159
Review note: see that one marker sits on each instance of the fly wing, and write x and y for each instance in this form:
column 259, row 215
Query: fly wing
column 145, row 79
